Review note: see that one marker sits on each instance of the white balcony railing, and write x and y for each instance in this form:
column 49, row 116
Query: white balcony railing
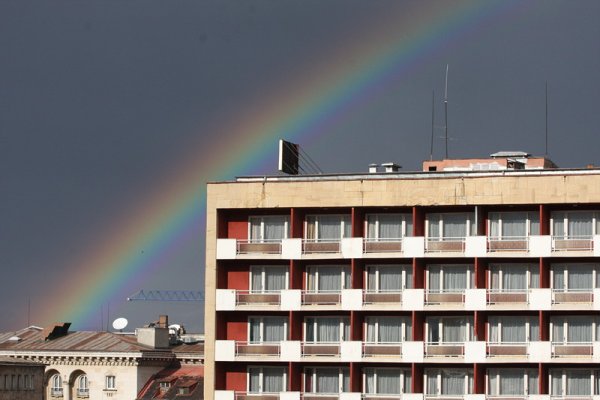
column 258, row 246
column 500, row 296
column 444, row 296
column 572, row 243
column 83, row 393
column 446, row 244
column 321, row 349
column 517, row 349
column 252, row 349
column 56, row 392
column 310, row 246
column 382, row 245
column 311, row 297
column 256, row 396
column 249, row 297
column 560, row 296
column 583, row 349
column 370, row 349
column 382, row 296
column 508, row 243
column 444, row 349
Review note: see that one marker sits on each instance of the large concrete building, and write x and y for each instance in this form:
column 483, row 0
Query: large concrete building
column 472, row 280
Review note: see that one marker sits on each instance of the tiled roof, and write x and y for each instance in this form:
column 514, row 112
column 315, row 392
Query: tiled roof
column 186, row 382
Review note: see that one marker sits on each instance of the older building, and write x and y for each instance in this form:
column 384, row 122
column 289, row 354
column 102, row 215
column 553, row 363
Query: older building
column 472, row 280
column 21, row 380
column 98, row 365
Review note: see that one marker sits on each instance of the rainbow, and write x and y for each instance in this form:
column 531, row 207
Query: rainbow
column 300, row 110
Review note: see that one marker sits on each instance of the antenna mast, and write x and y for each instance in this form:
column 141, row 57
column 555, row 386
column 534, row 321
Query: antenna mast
column 546, row 150
column 432, row 123
column 446, row 110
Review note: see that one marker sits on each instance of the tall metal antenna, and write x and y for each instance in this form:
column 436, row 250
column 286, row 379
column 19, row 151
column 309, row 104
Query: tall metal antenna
column 546, row 149
column 432, row 123
column 29, row 311
column 446, row 110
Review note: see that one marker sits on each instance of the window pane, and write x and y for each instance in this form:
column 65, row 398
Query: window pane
column 580, row 224
column 388, row 381
column 579, row 383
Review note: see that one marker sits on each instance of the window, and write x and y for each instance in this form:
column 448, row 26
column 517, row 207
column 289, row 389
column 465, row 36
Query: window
column 449, row 329
column 575, row 224
column 267, row 329
column 28, row 382
column 266, row 379
column 325, row 278
column 326, row 329
column 56, row 389
column 450, row 226
column 327, row 227
column 574, row 382
column 513, row 329
column 268, row 228
column 575, row 277
column 111, row 382
column 326, row 380
column 164, row 386
column 388, row 329
column 388, row 278
column 448, row 382
column 574, row 329
column 449, row 278
column 83, row 389
column 512, row 382
column 514, row 277
column 269, row 278
column 388, row 227
column 513, row 225
column 391, row 381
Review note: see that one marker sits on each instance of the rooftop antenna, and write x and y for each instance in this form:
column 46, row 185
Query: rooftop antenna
column 432, row 124
column 546, row 150
column 446, row 110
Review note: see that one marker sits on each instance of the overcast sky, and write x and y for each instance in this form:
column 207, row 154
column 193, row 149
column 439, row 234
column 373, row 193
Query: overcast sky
column 100, row 99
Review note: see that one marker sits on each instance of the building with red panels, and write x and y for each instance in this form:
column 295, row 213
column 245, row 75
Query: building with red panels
column 466, row 284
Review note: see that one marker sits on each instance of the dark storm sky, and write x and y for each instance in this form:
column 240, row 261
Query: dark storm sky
column 99, row 99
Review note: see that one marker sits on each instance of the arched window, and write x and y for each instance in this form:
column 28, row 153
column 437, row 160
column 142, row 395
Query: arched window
column 56, row 389
column 83, row 389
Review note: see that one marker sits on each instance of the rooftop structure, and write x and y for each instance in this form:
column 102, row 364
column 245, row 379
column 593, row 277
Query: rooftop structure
column 460, row 283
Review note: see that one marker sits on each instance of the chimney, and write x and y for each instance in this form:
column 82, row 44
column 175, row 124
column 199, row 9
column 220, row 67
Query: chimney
column 373, row 168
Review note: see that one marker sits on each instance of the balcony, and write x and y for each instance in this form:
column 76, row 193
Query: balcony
column 332, row 349
column 381, row 350
column 572, row 243
column 436, row 297
column 388, row 245
column 585, row 296
column 232, row 299
column 312, row 298
column 507, row 350
column 445, row 349
column 253, row 349
column 506, row 244
column 262, row 247
column 56, row 392
column 445, row 245
column 572, row 350
column 250, row 298
column 382, row 297
column 311, row 246
column 505, row 296
column 83, row 393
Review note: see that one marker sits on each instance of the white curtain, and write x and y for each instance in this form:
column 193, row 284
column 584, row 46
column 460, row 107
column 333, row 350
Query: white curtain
column 580, row 224
column 275, row 227
column 455, row 330
column 254, row 385
column 453, row 382
column 455, row 225
column 328, row 380
column 455, row 278
column 580, row 277
column 273, row 380
column 579, row 383
column 534, row 223
column 514, row 224
column 558, row 223
column 329, row 227
column 390, row 226
column 556, row 388
column 274, row 329
column 512, row 382
column 390, row 278
column 435, row 278
column 558, row 277
column 329, row 278
column 533, row 382
column 275, row 278
column 257, row 285
column 327, row 329
column 388, row 381
column 514, row 278
column 434, row 226
column 579, row 329
column 390, row 330
column 256, row 229
column 432, row 383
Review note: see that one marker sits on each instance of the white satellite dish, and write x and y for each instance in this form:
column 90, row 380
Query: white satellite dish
column 120, row 323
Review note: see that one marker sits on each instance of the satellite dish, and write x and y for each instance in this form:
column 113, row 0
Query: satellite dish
column 120, row 323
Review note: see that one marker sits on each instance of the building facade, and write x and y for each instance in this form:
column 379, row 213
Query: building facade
column 21, row 380
column 431, row 285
